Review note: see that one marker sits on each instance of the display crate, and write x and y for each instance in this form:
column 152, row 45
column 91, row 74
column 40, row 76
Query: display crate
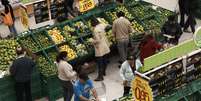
column 52, row 88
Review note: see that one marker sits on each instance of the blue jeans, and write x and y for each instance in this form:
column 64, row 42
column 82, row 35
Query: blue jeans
column 12, row 29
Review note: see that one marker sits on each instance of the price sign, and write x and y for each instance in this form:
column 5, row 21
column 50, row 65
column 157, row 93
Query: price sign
column 141, row 90
column 85, row 5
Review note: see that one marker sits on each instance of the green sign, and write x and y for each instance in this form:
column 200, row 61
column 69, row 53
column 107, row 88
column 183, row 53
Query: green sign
column 172, row 53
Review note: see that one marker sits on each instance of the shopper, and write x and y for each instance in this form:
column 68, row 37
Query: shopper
column 121, row 30
column 192, row 7
column 83, row 87
column 148, row 47
column 127, row 72
column 21, row 70
column 183, row 6
column 8, row 17
column 101, row 46
column 66, row 75
column 171, row 30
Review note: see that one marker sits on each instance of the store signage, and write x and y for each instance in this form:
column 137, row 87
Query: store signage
column 141, row 90
column 85, row 5
column 197, row 37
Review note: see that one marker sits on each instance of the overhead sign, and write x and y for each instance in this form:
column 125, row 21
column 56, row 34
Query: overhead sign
column 197, row 37
column 85, row 5
column 141, row 90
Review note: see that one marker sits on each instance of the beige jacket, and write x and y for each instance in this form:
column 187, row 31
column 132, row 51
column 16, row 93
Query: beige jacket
column 65, row 71
column 121, row 29
column 100, row 41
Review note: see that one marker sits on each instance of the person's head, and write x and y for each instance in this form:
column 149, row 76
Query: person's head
column 61, row 56
column 120, row 14
column 131, row 59
column 20, row 51
column 83, row 77
column 171, row 18
column 4, row 2
column 94, row 22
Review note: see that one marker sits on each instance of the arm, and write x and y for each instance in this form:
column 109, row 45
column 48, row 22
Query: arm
column 114, row 29
column 122, row 72
column 12, row 69
column 130, row 29
column 82, row 98
column 96, row 39
column 95, row 94
column 69, row 73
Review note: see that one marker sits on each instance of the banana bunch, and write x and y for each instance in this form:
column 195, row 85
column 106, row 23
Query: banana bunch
column 56, row 35
column 81, row 26
column 137, row 27
column 71, row 54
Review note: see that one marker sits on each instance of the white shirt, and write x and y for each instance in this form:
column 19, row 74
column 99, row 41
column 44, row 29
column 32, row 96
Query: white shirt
column 126, row 72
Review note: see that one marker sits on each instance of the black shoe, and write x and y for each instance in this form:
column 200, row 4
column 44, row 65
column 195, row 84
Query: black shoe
column 119, row 66
column 99, row 79
column 104, row 74
column 187, row 31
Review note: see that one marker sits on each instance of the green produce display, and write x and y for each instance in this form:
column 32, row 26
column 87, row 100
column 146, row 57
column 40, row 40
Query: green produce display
column 29, row 43
column 43, row 39
column 7, row 53
column 47, row 69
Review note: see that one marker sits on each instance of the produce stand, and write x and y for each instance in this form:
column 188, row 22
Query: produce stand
column 73, row 35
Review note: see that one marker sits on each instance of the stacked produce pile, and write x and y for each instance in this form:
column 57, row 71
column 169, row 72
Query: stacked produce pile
column 29, row 43
column 45, row 67
column 7, row 53
column 56, row 35
column 136, row 26
column 43, row 39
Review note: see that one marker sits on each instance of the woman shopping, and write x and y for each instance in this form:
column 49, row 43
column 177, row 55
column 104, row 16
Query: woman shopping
column 66, row 75
column 101, row 46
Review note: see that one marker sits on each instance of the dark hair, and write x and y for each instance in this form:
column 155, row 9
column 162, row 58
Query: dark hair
column 120, row 14
column 4, row 2
column 83, row 76
column 20, row 50
column 94, row 22
column 171, row 18
column 131, row 57
column 61, row 56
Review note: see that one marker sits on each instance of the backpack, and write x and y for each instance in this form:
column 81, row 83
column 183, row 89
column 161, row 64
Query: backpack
column 7, row 18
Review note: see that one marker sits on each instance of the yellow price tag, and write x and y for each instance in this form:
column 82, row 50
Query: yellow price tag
column 85, row 5
column 141, row 90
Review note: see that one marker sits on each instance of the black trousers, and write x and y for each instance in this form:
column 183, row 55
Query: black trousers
column 126, row 90
column 190, row 22
column 102, row 65
column 23, row 89
column 67, row 90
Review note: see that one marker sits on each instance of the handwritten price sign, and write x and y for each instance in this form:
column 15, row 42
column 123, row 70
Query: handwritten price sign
column 85, row 5
column 141, row 89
